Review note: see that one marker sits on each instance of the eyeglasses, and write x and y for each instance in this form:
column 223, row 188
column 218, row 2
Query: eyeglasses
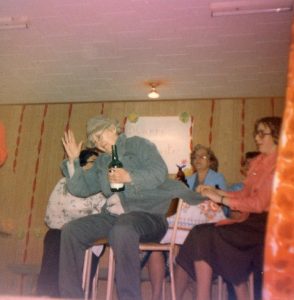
column 200, row 157
column 261, row 133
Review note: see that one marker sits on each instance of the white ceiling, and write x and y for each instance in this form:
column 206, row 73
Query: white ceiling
column 100, row 50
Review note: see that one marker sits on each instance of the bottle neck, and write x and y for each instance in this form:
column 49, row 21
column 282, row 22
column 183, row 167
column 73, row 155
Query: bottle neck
column 114, row 152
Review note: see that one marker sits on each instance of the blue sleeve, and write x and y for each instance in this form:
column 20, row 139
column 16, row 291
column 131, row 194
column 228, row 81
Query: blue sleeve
column 215, row 178
column 222, row 182
column 236, row 187
column 82, row 183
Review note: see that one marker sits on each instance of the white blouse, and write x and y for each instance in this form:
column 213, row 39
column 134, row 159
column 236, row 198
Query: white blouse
column 63, row 207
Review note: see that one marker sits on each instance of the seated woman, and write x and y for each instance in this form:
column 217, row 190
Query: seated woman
column 234, row 250
column 62, row 208
column 204, row 161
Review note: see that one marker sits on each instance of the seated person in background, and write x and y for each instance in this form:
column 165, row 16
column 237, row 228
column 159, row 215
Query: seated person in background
column 234, row 250
column 249, row 156
column 204, row 161
column 3, row 149
column 135, row 214
column 62, row 208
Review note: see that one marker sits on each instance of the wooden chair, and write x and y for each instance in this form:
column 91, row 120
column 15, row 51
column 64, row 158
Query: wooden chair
column 170, row 247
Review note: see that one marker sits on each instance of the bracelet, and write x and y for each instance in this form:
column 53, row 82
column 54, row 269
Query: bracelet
column 222, row 200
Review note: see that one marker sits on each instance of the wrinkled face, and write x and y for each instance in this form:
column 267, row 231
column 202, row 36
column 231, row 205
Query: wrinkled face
column 90, row 162
column 105, row 138
column 201, row 161
column 264, row 140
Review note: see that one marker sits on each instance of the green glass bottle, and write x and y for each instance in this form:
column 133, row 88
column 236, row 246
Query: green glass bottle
column 115, row 163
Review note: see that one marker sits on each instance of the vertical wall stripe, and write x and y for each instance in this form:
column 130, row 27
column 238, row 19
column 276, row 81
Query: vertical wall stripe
column 18, row 138
column 67, row 122
column 242, row 146
column 273, row 106
column 211, row 122
column 32, row 202
column 102, row 109
column 191, row 133
column 68, row 117
column 124, row 124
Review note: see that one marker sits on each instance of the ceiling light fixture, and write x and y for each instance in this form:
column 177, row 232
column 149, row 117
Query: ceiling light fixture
column 21, row 22
column 153, row 94
column 231, row 8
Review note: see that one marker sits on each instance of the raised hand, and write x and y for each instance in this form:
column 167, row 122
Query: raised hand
column 70, row 145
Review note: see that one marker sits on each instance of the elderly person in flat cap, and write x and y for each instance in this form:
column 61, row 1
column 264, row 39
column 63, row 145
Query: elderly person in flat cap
column 134, row 215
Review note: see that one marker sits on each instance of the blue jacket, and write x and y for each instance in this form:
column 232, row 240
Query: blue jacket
column 212, row 179
column 150, row 190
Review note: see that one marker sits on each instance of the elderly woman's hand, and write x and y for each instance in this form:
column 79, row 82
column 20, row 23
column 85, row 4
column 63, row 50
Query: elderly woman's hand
column 119, row 175
column 202, row 187
column 211, row 194
column 70, row 145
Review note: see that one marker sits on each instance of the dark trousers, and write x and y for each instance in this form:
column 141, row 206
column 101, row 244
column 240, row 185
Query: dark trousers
column 124, row 233
column 47, row 284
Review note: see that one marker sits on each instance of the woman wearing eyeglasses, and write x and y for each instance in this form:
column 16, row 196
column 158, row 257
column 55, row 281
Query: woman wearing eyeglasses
column 234, row 250
column 205, row 165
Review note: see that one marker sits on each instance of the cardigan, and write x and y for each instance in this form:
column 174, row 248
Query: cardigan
column 256, row 194
column 212, row 178
column 255, row 197
column 150, row 190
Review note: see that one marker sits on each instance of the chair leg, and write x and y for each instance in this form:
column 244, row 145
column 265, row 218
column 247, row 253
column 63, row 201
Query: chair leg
column 251, row 286
column 110, row 277
column 172, row 276
column 220, row 284
column 163, row 289
column 87, row 273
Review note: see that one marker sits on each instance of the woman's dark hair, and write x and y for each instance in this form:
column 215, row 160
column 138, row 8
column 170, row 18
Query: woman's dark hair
column 251, row 154
column 85, row 154
column 273, row 123
column 211, row 156
column 248, row 156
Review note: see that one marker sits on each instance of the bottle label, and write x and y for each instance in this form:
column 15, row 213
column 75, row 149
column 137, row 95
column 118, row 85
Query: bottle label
column 116, row 186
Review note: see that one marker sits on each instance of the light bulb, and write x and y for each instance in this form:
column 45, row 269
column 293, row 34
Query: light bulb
column 153, row 94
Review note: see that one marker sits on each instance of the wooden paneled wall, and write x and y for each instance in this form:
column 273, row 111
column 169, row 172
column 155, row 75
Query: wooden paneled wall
column 34, row 142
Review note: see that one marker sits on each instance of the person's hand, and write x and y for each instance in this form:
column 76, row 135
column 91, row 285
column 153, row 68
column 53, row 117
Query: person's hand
column 70, row 145
column 211, row 194
column 185, row 205
column 202, row 187
column 119, row 175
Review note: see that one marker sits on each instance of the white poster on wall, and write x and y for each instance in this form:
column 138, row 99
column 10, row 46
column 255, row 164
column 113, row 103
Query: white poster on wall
column 171, row 135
